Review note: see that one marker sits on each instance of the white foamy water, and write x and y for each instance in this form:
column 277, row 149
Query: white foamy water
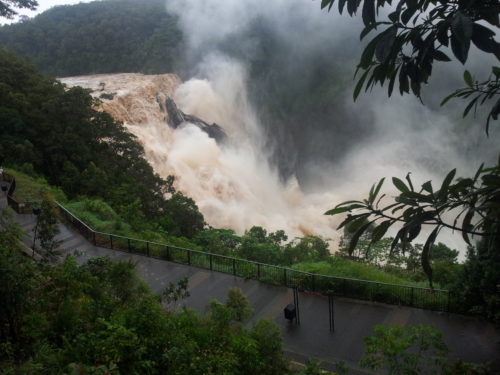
column 233, row 184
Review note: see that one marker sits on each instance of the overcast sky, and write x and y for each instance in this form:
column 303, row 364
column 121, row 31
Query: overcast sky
column 43, row 5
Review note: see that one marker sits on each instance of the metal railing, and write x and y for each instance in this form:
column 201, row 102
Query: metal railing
column 425, row 298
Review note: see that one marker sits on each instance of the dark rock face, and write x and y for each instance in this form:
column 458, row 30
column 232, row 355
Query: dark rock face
column 176, row 117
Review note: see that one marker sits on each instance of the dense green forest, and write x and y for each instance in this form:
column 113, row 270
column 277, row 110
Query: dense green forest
column 100, row 37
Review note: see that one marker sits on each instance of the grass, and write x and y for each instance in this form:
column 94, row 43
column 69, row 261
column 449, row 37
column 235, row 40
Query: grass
column 341, row 267
column 103, row 218
column 30, row 188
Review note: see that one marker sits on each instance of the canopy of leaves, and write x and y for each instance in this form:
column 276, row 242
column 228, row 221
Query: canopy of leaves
column 7, row 7
column 99, row 37
column 418, row 32
column 473, row 202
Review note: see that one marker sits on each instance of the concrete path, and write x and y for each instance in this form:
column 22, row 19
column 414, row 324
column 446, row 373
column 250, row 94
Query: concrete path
column 467, row 338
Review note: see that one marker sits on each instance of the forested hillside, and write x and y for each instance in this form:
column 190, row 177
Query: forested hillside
column 99, row 37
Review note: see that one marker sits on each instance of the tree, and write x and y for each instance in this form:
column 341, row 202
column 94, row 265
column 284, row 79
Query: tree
column 441, row 252
column 48, row 227
column 175, row 292
column 258, row 245
column 7, row 7
column 185, row 218
column 400, row 350
column 412, row 350
column 415, row 35
column 306, row 249
column 237, row 301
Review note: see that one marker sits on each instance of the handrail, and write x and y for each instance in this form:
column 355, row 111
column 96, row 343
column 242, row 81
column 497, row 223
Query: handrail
column 351, row 287
column 74, row 217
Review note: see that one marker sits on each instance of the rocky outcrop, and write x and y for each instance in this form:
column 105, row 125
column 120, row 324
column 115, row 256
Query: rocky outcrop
column 175, row 117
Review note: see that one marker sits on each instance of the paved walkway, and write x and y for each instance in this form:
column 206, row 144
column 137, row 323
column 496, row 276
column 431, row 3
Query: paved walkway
column 469, row 339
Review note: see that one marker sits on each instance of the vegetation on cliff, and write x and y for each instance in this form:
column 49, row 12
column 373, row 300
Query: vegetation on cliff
column 99, row 37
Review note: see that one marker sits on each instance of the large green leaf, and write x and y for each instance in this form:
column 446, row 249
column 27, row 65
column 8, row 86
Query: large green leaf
column 351, row 218
column 355, row 237
column 443, row 192
column 385, row 44
column 352, row 6
column 426, row 265
column 380, row 230
column 404, row 84
column 427, row 186
column 483, row 38
column 359, row 85
column 400, row 185
column 327, row 3
column 368, row 52
column 467, row 226
column 408, row 13
column 339, row 210
column 470, row 105
column 354, row 225
column 368, row 12
column 461, row 34
column 375, row 190
column 468, row 78
column 341, row 5
column 440, row 56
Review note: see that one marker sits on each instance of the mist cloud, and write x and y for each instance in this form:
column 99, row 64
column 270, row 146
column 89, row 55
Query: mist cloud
column 351, row 145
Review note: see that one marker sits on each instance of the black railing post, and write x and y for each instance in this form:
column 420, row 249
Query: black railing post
column 147, row 248
column 313, row 283
column 234, row 266
column 258, row 271
column 412, row 302
column 284, row 276
column 168, row 252
column 331, row 313
column 296, row 302
column 129, row 247
column 111, row 241
column 95, row 240
column 211, row 264
column 449, row 302
column 345, row 287
column 189, row 257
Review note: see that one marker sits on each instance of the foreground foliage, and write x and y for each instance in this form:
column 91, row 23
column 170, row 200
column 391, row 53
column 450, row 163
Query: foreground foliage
column 417, row 33
column 100, row 318
column 413, row 350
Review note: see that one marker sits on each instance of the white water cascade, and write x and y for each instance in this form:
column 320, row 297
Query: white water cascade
column 233, row 183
